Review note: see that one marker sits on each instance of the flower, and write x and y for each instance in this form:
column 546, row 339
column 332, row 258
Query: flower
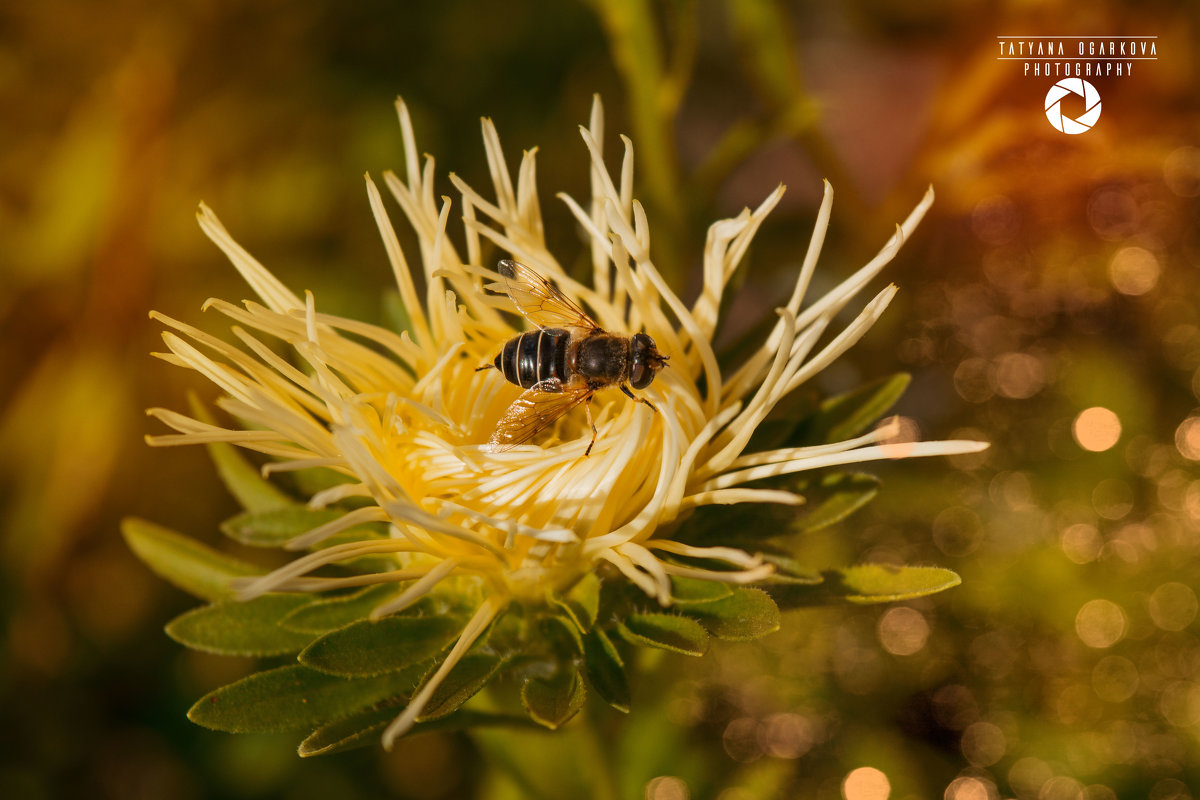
column 404, row 418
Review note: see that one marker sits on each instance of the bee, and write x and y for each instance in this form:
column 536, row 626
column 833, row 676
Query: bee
column 565, row 361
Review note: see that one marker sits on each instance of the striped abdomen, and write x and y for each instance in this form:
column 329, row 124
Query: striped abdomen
column 534, row 356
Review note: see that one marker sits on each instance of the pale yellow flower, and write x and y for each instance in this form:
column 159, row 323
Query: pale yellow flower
column 406, row 418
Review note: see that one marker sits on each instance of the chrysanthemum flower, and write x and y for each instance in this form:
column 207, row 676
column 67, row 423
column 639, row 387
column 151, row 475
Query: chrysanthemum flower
column 422, row 504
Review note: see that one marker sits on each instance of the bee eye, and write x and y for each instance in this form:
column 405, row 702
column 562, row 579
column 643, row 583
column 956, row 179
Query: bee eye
column 641, row 371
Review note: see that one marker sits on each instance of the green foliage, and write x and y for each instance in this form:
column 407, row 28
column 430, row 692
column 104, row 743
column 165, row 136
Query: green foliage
column 693, row 591
column 373, row 647
column 832, row 497
column 582, row 602
column 193, row 567
column 329, row 614
column 251, row 628
column 295, row 697
column 605, row 669
column 867, row 583
column 243, row 480
column 673, row 632
column 746, row 614
column 272, row 527
column 883, row 583
column 361, row 730
column 847, row 415
column 554, row 700
column 464, row 681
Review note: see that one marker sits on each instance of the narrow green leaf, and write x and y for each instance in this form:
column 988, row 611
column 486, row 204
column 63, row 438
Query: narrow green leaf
column 188, row 564
column 847, row 415
column 694, row 591
column 272, row 527
column 559, row 628
column 746, row 614
column 243, row 480
column 466, row 678
column 294, row 697
column 359, row 730
column 605, row 670
column 833, row 497
column 329, row 614
column 867, row 583
column 364, row 729
column 241, row 629
column 787, row 569
column 552, row 701
column 666, row 631
column 375, row 647
column 884, row 583
column 582, row 602
column 310, row 481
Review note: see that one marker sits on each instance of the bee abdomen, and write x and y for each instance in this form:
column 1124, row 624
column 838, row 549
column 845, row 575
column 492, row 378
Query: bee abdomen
column 534, row 356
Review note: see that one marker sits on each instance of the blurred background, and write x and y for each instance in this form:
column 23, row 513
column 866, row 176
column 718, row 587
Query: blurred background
column 1048, row 304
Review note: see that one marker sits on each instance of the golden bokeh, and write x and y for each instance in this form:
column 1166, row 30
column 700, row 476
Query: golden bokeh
column 1096, row 429
column 866, row 783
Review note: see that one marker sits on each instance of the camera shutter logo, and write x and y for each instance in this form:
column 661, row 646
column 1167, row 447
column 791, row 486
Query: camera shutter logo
column 1091, row 105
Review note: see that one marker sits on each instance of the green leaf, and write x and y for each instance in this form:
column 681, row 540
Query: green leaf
column 559, row 628
column 374, row 647
column 867, row 583
column 188, row 564
column 243, row 480
column 847, row 415
column 241, row 629
column 466, row 678
column 274, row 526
column 359, row 730
column 364, row 729
column 294, row 697
column 695, row 591
column 833, row 497
column 666, row 631
column 787, row 569
column 317, row 479
column 605, row 670
column 582, row 602
column 884, row 583
column 329, row 614
column 746, row 614
column 552, row 701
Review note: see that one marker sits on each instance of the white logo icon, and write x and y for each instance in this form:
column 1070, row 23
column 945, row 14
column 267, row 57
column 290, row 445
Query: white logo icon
column 1091, row 105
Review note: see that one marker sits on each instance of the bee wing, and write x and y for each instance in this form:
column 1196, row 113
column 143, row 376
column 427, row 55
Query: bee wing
column 539, row 301
column 533, row 411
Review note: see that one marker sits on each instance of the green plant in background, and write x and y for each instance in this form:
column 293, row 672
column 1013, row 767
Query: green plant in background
column 538, row 568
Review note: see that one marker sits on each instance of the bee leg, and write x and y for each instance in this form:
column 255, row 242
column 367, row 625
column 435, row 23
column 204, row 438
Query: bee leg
column 637, row 399
column 485, row 366
column 587, row 406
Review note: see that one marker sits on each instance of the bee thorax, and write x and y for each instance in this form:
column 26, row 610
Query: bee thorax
column 603, row 357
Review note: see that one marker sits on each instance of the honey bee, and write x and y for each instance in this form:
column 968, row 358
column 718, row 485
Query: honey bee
column 565, row 361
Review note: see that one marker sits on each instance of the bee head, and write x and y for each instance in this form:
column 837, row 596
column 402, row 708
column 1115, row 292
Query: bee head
column 647, row 361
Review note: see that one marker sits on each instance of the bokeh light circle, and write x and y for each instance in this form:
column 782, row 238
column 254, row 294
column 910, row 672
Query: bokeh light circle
column 1187, row 438
column 1100, row 623
column 903, row 631
column 1173, row 606
column 983, row 744
column 970, row 788
column 666, row 787
column 1096, row 429
column 866, row 783
column 1181, row 171
column 1134, row 270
